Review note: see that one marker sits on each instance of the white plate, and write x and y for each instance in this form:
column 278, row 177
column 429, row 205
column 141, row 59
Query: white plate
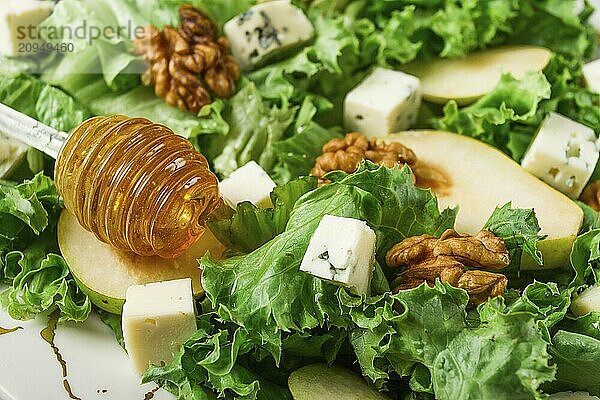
column 97, row 367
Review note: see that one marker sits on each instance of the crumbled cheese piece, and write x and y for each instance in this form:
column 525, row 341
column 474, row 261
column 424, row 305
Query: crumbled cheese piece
column 591, row 73
column 342, row 250
column 386, row 101
column 563, row 154
column 248, row 183
column 157, row 319
column 16, row 16
column 586, row 302
column 265, row 30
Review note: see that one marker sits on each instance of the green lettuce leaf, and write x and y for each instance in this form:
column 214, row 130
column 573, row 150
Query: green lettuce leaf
column 113, row 321
column 215, row 362
column 585, row 257
column 505, row 358
column 384, row 341
column 38, row 278
column 509, row 110
column 576, row 357
column 265, row 293
column 109, row 55
column 588, row 324
column 520, row 230
column 545, row 301
column 250, row 227
column 297, row 154
column 138, row 102
column 254, row 126
column 41, row 101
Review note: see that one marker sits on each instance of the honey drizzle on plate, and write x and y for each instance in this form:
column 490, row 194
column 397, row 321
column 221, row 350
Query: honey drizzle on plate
column 48, row 334
column 4, row 331
column 150, row 394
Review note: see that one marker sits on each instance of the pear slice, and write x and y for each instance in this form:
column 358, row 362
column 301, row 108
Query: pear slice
column 317, row 382
column 587, row 301
column 104, row 273
column 479, row 178
column 467, row 79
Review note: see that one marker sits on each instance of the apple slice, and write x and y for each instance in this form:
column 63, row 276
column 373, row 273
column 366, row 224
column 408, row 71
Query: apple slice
column 318, row 381
column 104, row 273
column 469, row 78
column 480, row 177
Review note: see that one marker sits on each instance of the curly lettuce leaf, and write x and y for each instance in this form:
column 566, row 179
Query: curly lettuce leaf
column 402, row 30
column 253, row 127
column 38, row 278
column 505, row 358
column 545, row 301
column 428, row 318
column 569, row 97
column 215, row 362
column 576, row 357
column 509, row 110
column 585, row 257
column 250, row 227
column 509, row 116
column 520, row 230
column 297, row 154
column 265, row 293
column 41, row 281
column 588, row 324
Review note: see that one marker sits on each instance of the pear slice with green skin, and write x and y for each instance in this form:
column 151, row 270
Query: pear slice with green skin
column 104, row 273
column 479, row 178
column 467, row 79
column 587, row 301
column 318, row 382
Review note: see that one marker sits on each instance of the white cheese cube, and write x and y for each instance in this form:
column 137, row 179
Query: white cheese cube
column 591, row 73
column 586, row 302
column 16, row 18
column 157, row 319
column 11, row 154
column 248, row 183
column 265, row 30
column 342, row 250
column 386, row 101
column 572, row 396
column 563, row 154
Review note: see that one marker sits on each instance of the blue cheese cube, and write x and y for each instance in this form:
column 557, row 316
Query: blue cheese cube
column 342, row 251
column 16, row 16
column 563, row 154
column 12, row 153
column 266, row 30
column 248, row 183
column 586, row 302
column 157, row 319
column 386, row 101
column 591, row 73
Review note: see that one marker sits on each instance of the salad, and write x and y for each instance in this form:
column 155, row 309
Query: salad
column 409, row 192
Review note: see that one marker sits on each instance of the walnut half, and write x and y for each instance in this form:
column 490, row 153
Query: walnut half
column 591, row 195
column 346, row 153
column 185, row 62
column 427, row 258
